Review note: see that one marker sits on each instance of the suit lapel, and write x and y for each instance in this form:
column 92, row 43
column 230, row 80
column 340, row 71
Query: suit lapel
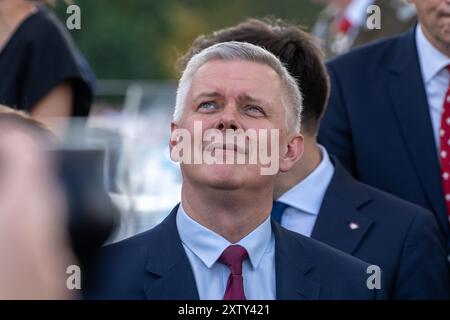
column 339, row 223
column 170, row 275
column 414, row 120
column 292, row 263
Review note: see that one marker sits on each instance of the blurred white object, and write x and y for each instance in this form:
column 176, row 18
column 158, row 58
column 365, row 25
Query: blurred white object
column 147, row 183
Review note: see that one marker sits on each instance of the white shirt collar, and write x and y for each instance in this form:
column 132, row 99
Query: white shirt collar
column 208, row 245
column 432, row 61
column 307, row 195
column 356, row 11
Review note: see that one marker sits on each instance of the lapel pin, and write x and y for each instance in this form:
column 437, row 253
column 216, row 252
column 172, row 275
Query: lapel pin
column 353, row 226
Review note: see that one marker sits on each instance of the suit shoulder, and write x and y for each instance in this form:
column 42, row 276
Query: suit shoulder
column 330, row 255
column 373, row 53
column 396, row 207
column 341, row 275
column 324, row 255
column 127, row 257
column 134, row 244
column 131, row 252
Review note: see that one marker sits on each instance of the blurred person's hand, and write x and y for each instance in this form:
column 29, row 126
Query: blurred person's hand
column 34, row 250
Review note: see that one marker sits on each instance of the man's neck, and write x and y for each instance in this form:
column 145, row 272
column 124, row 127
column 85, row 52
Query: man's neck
column 308, row 163
column 231, row 214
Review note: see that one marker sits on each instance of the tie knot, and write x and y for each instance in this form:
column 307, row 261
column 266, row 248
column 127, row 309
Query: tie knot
column 233, row 256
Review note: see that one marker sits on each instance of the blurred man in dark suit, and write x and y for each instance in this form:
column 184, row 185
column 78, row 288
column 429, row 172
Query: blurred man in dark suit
column 388, row 119
column 342, row 26
column 220, row 243
column 318, row 198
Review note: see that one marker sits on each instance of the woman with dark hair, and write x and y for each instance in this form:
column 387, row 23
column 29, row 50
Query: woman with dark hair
column 41, row 70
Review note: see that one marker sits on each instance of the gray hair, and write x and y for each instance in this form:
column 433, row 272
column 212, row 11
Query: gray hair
column 291, row 97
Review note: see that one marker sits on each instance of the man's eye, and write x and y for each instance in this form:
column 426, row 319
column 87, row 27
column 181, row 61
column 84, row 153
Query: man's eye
column 207, row 106
column 255, row 110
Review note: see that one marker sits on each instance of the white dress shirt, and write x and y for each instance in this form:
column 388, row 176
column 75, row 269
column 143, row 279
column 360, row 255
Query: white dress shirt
column 305, row 198
column 204, row 247
column 435, row 78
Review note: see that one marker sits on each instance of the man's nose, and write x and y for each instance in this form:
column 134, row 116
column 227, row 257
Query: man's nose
column 228, row 119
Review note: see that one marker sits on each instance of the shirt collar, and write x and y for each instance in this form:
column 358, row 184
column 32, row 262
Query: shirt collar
column 432, row 61
column 208, row 245
column 307, row 195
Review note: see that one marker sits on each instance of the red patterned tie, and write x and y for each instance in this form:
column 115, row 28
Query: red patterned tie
column 444, row 134
column 233, row 256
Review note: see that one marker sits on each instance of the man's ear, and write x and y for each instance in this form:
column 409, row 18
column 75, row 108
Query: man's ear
column 173, row 138
column 293, row 152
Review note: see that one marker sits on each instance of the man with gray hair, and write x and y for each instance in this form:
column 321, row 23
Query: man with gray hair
column 220, row 242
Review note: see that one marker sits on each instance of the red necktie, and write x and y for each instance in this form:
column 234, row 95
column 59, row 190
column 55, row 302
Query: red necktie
column 233, row 256
column 444, row 134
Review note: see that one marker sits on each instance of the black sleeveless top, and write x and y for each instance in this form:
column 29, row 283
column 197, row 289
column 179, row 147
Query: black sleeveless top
column 37, row 58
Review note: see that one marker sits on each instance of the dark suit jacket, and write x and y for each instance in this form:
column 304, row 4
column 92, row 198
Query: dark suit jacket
column 378, row 123
column 154, row 265
column 400, row 237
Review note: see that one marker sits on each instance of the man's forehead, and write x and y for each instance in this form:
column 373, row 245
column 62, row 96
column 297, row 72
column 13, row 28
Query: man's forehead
column 243, row 77
column 235, row 69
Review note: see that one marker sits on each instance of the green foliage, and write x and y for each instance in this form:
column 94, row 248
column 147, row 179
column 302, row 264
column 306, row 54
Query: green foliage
column 141, row 39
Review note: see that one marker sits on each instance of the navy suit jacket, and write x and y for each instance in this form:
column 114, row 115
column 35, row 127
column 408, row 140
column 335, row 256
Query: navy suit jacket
column 154, row 265
column 400, row 237
column 378, row 123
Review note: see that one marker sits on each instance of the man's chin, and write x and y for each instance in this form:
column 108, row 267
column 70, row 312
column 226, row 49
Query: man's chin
column 226, row 186
column 223, row 179
column 224, row 176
